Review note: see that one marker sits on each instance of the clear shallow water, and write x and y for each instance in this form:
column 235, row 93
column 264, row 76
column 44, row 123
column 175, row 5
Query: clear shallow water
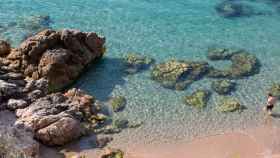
column 162, row 29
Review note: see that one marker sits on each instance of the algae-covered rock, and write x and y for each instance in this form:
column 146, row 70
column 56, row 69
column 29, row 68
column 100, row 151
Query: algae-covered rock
column 178, row 74
column 136, row 62
column 118, row 103
column 114, row 153
column 198, row 99
column 243, row 64
column 223, row 86
column 228, row 104
column 275, row 90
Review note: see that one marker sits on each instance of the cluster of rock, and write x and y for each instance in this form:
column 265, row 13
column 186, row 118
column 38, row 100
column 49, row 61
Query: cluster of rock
column 31, row 77
column 179, row 74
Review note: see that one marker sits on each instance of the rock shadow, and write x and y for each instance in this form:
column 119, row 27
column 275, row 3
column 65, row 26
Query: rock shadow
column 103, row 77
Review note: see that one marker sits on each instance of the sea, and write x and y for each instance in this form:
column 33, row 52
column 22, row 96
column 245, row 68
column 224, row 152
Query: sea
column 162, row 30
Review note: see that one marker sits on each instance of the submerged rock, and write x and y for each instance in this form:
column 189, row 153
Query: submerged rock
column 228, row 104
column 243, row 64
column 219, row 54
column 230, row 9
column 223, row 86
column 178, row 74
column 17, row 143
column 118, row 103
column 56, row 118
column 197, row 99
column 136, row 62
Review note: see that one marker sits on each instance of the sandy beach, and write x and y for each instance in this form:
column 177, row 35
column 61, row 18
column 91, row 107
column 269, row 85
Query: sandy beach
column 260, row 142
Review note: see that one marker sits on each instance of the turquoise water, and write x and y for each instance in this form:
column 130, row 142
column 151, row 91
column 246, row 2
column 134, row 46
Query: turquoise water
column 162, row 29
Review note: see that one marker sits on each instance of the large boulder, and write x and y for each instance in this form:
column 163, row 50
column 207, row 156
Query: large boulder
column 197, row 99
column 17, row 143
column 56, row 118
column 243, row 63
column 178, row 74
column 58, row 56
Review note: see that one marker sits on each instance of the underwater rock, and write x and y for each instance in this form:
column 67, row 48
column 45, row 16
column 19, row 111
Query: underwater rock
column 228, row 104
column 114, row 153
column 223, row 86
column 197, row 99
column 178, row 74
column 5, row 48
column 219, row 53
column 118, row 103
column 243, row 64
column 58, row 56
column 56, row 118
column 275, row 90
column 230, row 9
column 136, row 62
column 17, row 143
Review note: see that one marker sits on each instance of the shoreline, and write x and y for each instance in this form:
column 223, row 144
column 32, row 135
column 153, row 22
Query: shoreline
column 257, row 142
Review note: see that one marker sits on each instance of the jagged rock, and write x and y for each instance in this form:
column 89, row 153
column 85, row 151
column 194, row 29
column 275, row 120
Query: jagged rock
column 228, row 104
column 223, row 86
column 243, row 64
column 136, row 62
column 5, row 48
column 114, row 153
column 17, row 143
column 178, row 74
column 14, row 104
column 55, row 119
column 118, row 103
column 197, row 99
column 57, row 56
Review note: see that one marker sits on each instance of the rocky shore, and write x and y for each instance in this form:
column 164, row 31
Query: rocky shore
column 33, row 80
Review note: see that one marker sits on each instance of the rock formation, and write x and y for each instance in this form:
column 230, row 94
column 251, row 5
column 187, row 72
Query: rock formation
column 58, row 56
